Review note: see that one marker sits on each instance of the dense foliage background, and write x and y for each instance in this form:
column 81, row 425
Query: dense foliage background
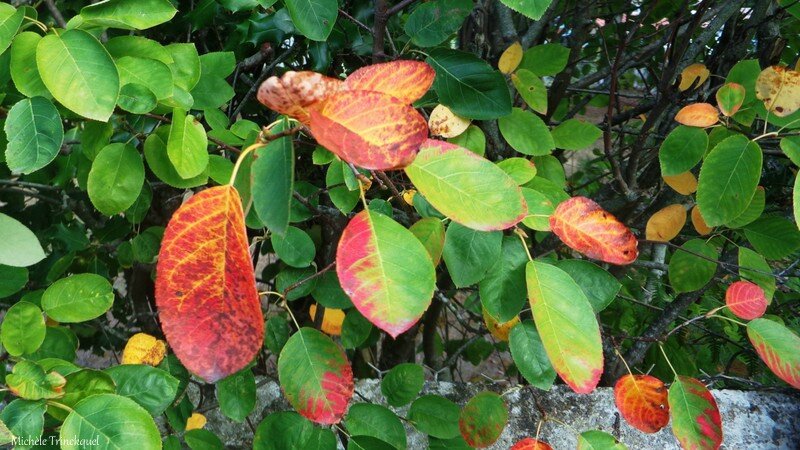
column 113, row 114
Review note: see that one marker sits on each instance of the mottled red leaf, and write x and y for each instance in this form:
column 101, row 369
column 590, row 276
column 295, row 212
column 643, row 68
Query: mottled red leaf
column 405, row 80
column 483, row 418
column 746, row 300
column 531, row 444
column 696, row 421
column 587, row 228
column 642, row 401
column 206, row 288
column 372, row 130
column 295, row 93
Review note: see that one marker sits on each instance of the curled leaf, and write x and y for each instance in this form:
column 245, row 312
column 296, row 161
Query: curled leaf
column 404, row 80
column 589, row 229
column 779, row 88
column 295, row 93
column 642, row 401
column 693, row 76
column 372, row 130
column 746, row 300
column 700, row 115
column 142, row 348
column 445, row 123
column 665, row 224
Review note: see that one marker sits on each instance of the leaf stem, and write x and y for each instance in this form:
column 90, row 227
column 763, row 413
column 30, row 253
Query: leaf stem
column 661, row 347
column 241, row 158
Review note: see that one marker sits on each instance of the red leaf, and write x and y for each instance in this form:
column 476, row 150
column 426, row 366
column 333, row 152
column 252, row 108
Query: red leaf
column 206, row 288
column 405, row 80
column 696, row 421
column 369, row 129
column 531, row 444
column 746, row 300
column 295, row 93
column 642, row 401
column 586, row 227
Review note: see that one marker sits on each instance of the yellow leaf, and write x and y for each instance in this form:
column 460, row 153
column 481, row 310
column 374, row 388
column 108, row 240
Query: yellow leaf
column 408, row 196
column 195, row 422
column 445, row 123
column 684, row 183
column 699, row 223
column 694, row 75
column 698, row 115
column 666, row 223
column 499, row 330
column 142, row 348
column 779, row 88
column 510, row 59
column 331, row 320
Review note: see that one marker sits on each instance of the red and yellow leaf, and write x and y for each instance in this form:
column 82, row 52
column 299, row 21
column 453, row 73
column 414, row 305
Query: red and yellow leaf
column 482, row 420
column 372, row 130
column 405, row 80
column 779, row 88
column 730, row 98
column 142, row 348
column 778, row 347
column 698, row 115
column 385, row 270
column 587, row 228
column 315, row 376
column 295, row 93
column 666, row 223
column 746, row 300
column 696, row 421
column 446, row 123
column 531, row 444
column 332, row 320
column 206, row 288
column 642, row 401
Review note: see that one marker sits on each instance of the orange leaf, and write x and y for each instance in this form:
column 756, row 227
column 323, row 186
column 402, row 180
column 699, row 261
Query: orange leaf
column 405, row 80
column 684, row 183
column 693, row 75
column 499, row 330
column 369, row 129
column 531, row 444
column 699, row 223
column 666, row 223
column 295, row 93
column 445, row 123
column 642, row 401
column 698, row 115
column 332, row 320
column 195, row 422
column 746, row 300
column 206, row 288
column 142, row 348
column 586, row 227
column 779, row 88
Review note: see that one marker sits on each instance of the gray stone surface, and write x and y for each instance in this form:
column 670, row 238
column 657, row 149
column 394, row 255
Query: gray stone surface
column 751, row 420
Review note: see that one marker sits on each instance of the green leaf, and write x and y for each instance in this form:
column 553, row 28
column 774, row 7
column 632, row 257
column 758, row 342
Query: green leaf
column 141, row 47
column 23, row 65
column 599, row 286
column 314, row 19
column 526, row 133
column 155, row 152
column 356, row 329
column 430, row 231
column 432, row 23
column 28, row 380
column 137, row 99
column 364, row 419
column 567, row 325
column 35, row 134
column 790, row 146
column 575, row 134
column 368, row 443
column 187, row 145
column 288, row 430
column 116, row 178
column 12, row 280
column 315, row 376
column 59, row 342
column 532, row 89
column 10, row 20
column 683, row 148
column 153, row 74
column 692, row 266
column 695, row 418
column 116, row 422
column 276, row 333
column 540, row 208
column 469, row 254
column 599, row 440
column 473, row 140
column 153, row 389
column 128, row 14
column 773, row 236
column 402, row 384
column 273, row 182
column 95, row 136
column 754, row 267
column 753, row 211
column 483, row 419
column 435, row 415
column 329, row 293
column 186, row 67
column 78, row 298
column 25, row 418
column 545, row 60
column 530, row 356
column 23, row 329
column 211, row 90
column 445, row 175
column 728, row 179
column 502, row 289
column 19, row 246
column 92, row 81
column 236, row 394
column 82, row 384
column 468, row 85
column 295, row 248
column 745, row 72
column 534, row 9
column 340, row 194
column 777, row 346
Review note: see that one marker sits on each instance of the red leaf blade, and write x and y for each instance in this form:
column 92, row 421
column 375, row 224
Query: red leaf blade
column 696, row 421
column 746, row 300
column 642, row 401
column 531, row 444
column 405, row 80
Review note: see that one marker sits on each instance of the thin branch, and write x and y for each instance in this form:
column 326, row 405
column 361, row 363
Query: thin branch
column 57, row 16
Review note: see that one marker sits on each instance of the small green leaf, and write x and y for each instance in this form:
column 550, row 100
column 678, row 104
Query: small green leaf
column 692, row 265
column 364, row 419
column 273, row 182
column 356, row 329
column 402, row 384
column 211, row 90
column 683, row 148
column 236, row 394
column 473, row 140
column 25, row 418
column 23, row 65
column 469, row 254
column 483, row 419
column 115, row 422
column 314, row 19
column 433, row 22
column 78, row 298
column 599, row 440
column 526, row 133
column 435, row 415
column 187, row 145
column 12, row 280
column 82, row 384
column 153, row 74
column 295, row 248
column 288, row 430
column 773, row 236
column 10, row 20
column 152, row 388
column 575, row 134
column 502, row 289
column 116, row 178
column 276, row 334
column 600, row 287
column 753, row 211
column 28, row 380
column 186, row 67
column 35, row 134
column 137, row 99
column 533, row 9
column 545, row 60
column 753, row 267
column 19, row 246
column 530, row 356
column 532, row 89
column 155, row 153
column 23, row 329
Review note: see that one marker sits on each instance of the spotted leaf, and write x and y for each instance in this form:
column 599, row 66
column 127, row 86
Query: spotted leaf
column 779, row 88
column 370, row 129
column 385, row 270
column 587, row 228
column 483, row 418
column 295, row 93
column 695, row 417
column 405, row 80
column 206, row 288
column 777, row 346
column 315, row 376
column 746, row 300
column 642, row 401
